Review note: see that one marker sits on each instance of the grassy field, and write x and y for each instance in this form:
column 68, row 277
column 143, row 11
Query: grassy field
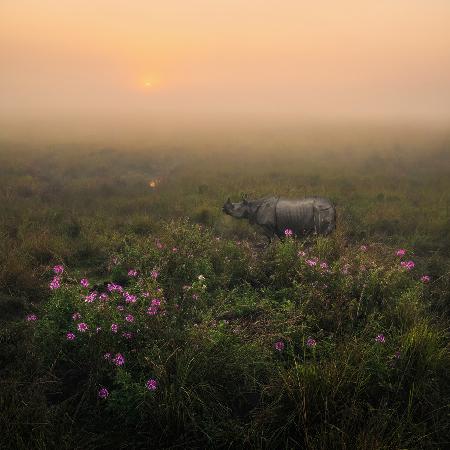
column 187, row 333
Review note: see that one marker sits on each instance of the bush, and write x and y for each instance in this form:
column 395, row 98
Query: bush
column 194, row 349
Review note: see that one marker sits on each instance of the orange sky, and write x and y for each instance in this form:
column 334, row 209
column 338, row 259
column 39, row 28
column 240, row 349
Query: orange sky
column 321, row 58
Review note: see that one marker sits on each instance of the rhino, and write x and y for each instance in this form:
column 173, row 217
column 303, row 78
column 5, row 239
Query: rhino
column 276, row 215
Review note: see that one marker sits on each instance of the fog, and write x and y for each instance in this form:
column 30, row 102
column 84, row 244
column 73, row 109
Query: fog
column 93, row 69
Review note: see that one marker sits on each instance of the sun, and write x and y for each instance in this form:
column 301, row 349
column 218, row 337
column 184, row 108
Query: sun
column 149, row 83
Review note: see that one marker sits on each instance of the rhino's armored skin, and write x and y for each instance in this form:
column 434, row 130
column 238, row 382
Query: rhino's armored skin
column 310, row 215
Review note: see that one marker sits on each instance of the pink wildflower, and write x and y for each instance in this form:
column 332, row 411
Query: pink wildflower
column 119, row 359
column 408, row 265
column 70, row 336
column 174, row 250
column 129, row 318
column 127, row 335
column 146, row 294
column 363, row 248
column 154, row 274
column 152, row 310
column 114, row 287
column 103, row 393
column 76, row 316
column 400, row 252
column 425, row 278
column 114, row 327
column 107, row 356
column 120, row 308
column 151, row 384
column 31, row 317
column 90, row 297
column 324, row 265
column 156, row 302
column 103, row 297
column 55, row 283
column 279, row 346
column 129, row 298
column 59, row 269
column 288, row 232
column 84, row 282
column 311, row 342
column 82, row 327
column 380, row 338
column 132, row 273
column 301, row 253
column 311, row 262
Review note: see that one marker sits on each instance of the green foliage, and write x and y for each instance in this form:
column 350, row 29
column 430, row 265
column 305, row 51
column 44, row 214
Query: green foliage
column 209, row 344
column 362, row 356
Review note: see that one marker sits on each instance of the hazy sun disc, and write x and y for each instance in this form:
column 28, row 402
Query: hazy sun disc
column 148, row 84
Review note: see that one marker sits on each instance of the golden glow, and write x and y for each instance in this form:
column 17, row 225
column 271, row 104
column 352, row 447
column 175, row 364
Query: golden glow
column 323, row 58
column 154, row 183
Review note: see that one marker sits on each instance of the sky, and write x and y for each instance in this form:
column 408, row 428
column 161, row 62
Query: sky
column 267, row 59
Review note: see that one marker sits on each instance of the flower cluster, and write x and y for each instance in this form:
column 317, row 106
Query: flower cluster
column 151, row 384
column 154, row 307
column 112, row 287
column 154, row 274
column 55, row 283
column 408, row 265
column 82, row 327
column 129, row 298
column 119, row 359
column 103, row 392
column 91, row 297
column 59, row 269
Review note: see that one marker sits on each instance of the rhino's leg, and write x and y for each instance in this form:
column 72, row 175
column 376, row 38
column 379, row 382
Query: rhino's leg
column 268, row 233
column 327, row 222
column 316, row 220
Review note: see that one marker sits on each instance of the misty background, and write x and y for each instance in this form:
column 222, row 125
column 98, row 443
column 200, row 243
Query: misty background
column 117, row 69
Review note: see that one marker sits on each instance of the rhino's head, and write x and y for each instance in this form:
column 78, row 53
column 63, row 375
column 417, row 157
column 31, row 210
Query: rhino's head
column 239, row 210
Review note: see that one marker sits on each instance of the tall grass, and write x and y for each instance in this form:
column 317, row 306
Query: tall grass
column 323, row 343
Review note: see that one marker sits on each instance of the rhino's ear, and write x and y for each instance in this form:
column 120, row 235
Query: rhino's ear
column 228, row 201
column 244, row 201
